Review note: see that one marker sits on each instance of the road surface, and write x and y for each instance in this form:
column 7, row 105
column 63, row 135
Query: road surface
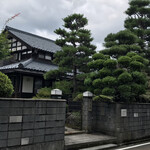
column 143, row 146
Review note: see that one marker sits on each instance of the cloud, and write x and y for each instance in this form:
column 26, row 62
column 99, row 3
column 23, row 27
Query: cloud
column 43, row 17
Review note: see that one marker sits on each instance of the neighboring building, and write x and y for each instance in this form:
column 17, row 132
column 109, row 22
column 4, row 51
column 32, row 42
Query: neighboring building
column 32, row 56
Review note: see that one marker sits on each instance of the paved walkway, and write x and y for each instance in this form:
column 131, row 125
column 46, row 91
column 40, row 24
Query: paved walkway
column 70, row 131
column 84, row 140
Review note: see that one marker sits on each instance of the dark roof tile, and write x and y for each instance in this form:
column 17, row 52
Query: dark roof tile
column 35, row 41
column 31, row 64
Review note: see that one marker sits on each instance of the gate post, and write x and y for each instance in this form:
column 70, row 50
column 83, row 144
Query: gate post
column 56, row 94
column 87, row 112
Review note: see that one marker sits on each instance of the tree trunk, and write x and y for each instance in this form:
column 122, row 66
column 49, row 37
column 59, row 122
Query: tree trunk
column 74, row 80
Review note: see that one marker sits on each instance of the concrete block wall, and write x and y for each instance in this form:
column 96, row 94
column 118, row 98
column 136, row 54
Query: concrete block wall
column 126, row 121
column 32, row 124
column 104, row 118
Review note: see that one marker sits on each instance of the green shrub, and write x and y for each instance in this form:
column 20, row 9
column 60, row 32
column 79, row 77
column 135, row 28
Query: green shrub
column 125, row 92
column 93, row 75
column 124, row 88
column 97, row 83
column 117, row 50
column 104, row 72
column 87, row 81
column 96, row 64
column 108, row 91
column 97, row 91
column 79, row 97
column 139, row 77
column 131, row 54
column 43, row 93
column 53, row 74
column 109, row 81
column 145, row 61
column 137, row 66
column 124, row 78
column 82, row 76
column 98, row 56
column 118, row 71
column 110, row 63
column 63, row 85
column 138, row 89
column 103, row 98
column 124, row 61
column 138, row 58
column 96, row 98
column 6, row 87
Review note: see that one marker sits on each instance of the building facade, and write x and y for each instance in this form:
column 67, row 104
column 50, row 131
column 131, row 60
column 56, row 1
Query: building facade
column 31, row 57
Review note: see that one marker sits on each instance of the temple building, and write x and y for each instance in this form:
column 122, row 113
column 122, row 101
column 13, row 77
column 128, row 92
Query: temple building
column 31, row 57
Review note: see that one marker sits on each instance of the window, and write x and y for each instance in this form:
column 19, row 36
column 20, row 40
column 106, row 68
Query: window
column 48, row 57
column 13, row 49
column 18, row 44
column 23, row 53
column 24, row 47
column 18, row 48
column 14, row 44
column 41, row 55
column 14, row 40
column 29, row 52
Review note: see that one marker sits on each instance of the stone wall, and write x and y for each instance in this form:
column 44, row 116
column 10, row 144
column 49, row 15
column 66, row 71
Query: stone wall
column 126, row 121
column 32, row 124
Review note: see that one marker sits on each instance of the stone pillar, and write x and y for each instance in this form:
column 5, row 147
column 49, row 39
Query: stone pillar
column 56, row 94
column 87, row 112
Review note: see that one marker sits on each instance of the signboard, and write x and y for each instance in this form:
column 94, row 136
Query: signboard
column 136, row 115
column 123, row 112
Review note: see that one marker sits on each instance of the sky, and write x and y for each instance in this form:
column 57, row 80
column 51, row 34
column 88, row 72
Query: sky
column 42, row 17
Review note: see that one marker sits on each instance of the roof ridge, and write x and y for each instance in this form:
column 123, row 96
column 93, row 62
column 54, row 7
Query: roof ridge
column 10, row 28
column 26, row 62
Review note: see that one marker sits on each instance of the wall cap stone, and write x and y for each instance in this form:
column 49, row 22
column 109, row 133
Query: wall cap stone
column 29, row 99
column 56, row 92
column 87, row 94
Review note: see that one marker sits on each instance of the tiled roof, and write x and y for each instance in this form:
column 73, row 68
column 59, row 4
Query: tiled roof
column 35, row 41
column 31, row 64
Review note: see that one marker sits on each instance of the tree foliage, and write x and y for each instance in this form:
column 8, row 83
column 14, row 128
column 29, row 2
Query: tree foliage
column 118, row 78
column 6, row 87
column 76, row 45
column 63, row 85
column 43, row 93
column 138, row 22
column 4, row 51
column 119, row 70
column 120, row 43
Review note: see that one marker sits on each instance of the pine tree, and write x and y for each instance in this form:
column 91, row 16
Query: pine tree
column 76, row 45
column 138, row 22
column 119, row 70
column 119, row 44
column 120, row 79
column 4, row 51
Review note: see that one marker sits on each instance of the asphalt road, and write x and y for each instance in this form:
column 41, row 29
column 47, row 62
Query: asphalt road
column 144, row 146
